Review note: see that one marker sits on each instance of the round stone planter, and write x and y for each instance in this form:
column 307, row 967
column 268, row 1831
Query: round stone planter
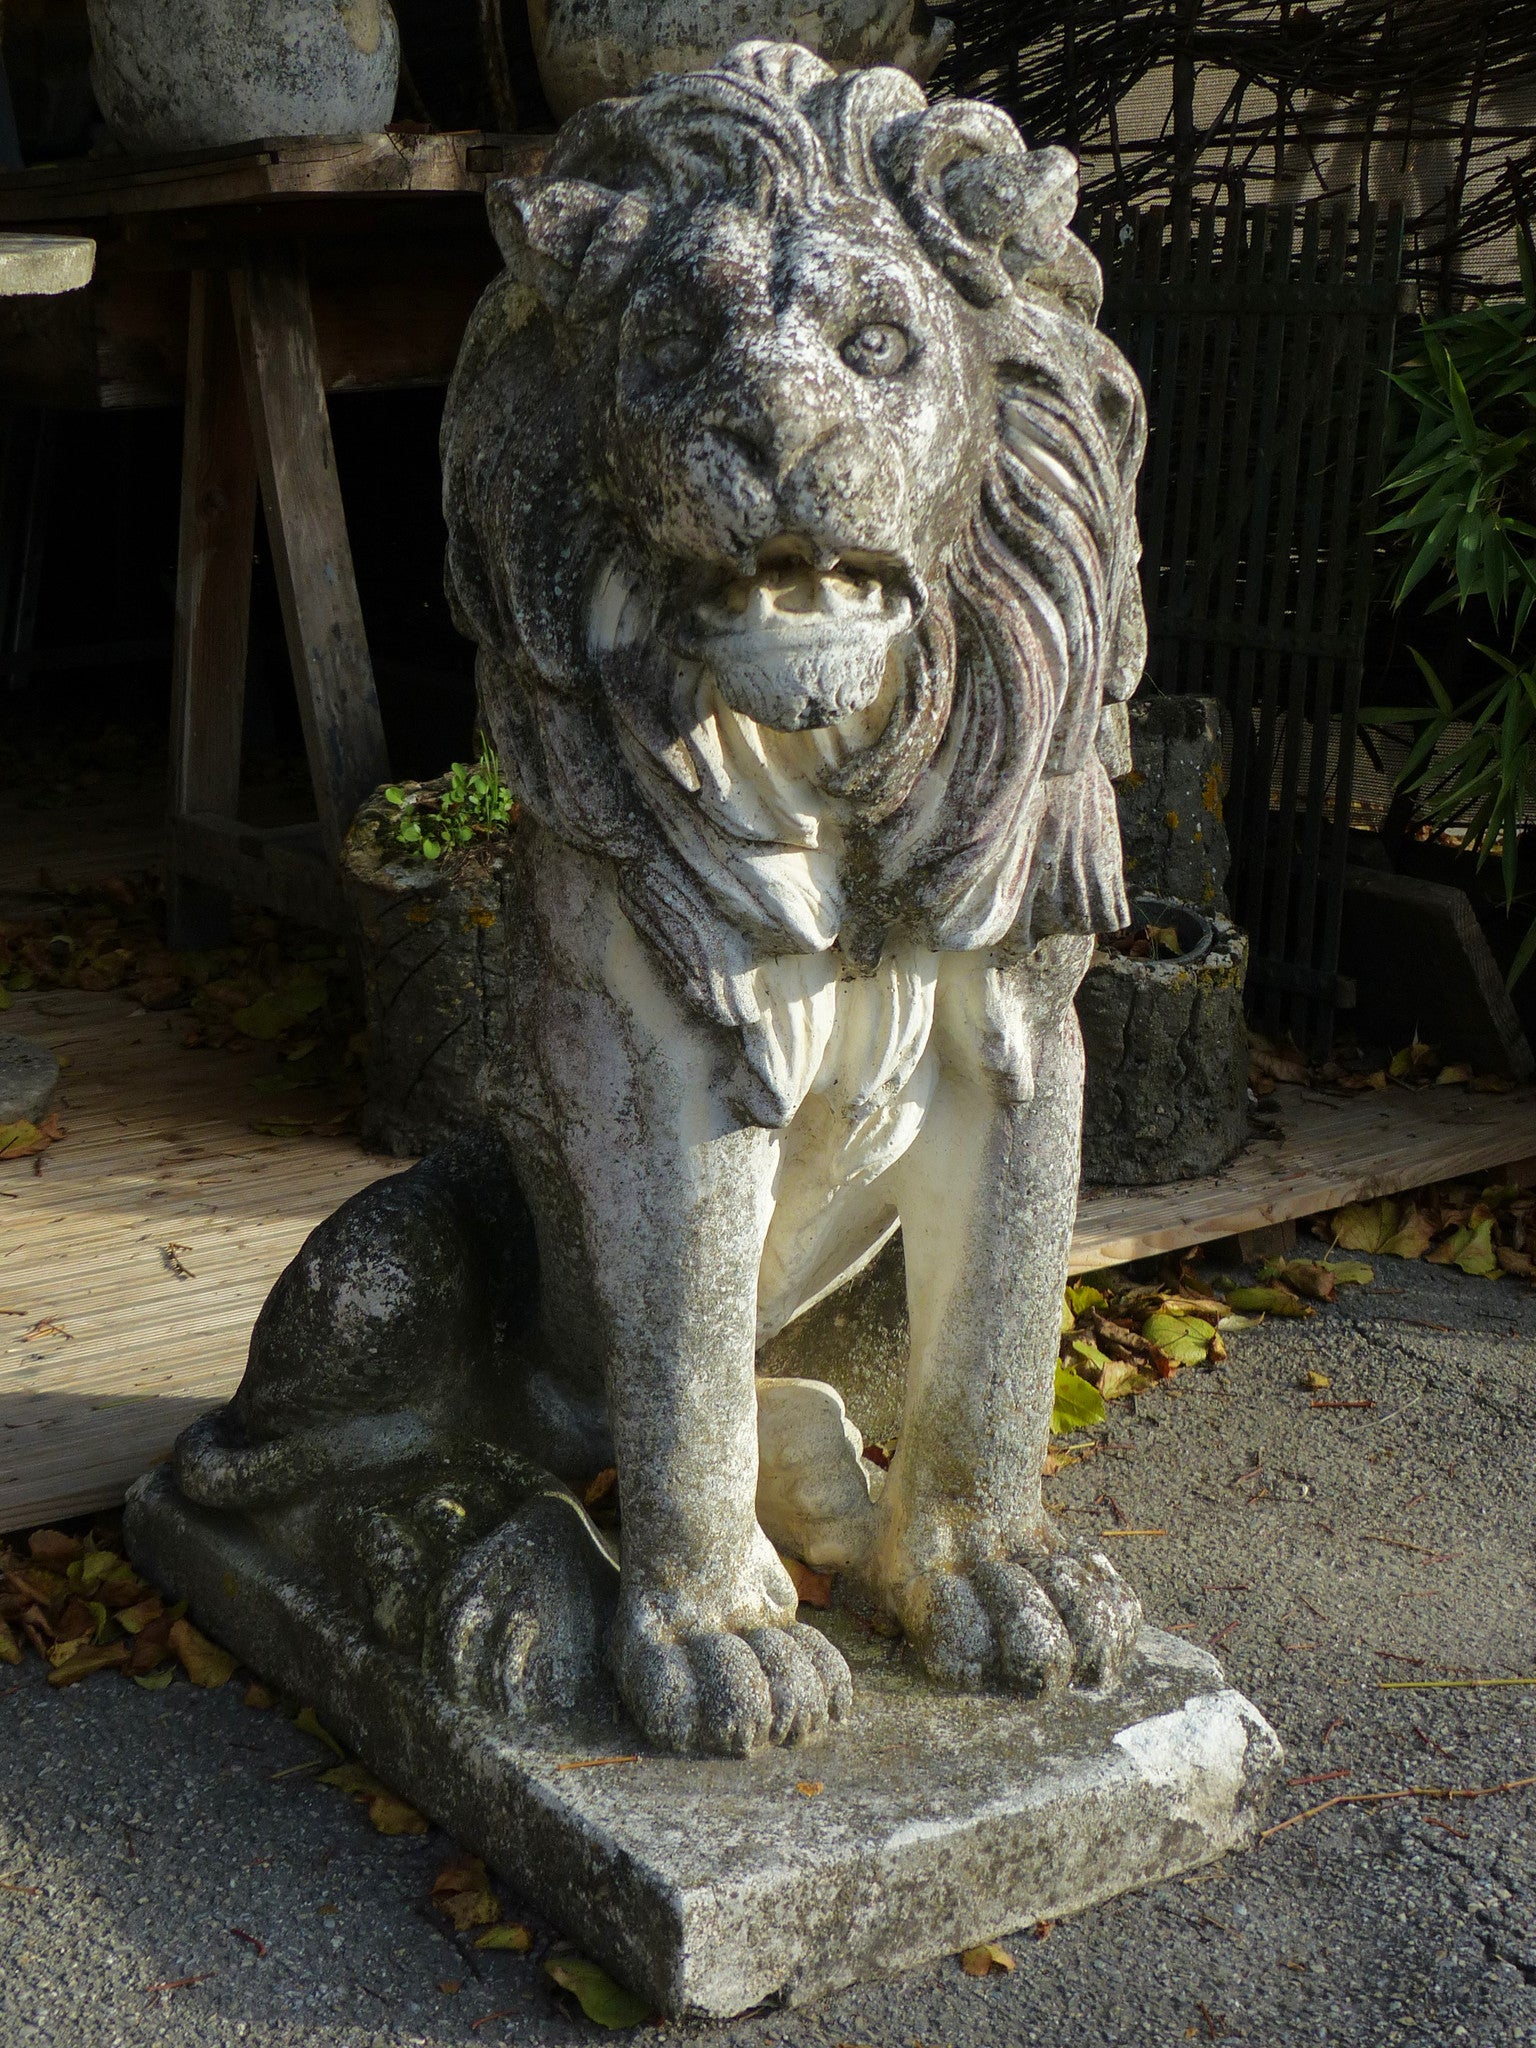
column 431, row 938
column 198, row 74
column 1166, row 1046
column 598, row 49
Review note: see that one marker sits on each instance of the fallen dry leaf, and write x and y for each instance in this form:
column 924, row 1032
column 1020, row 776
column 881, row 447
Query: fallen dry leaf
column 462, row 1893
column 204, row 1662
column 94, row 1657
column 510, row 1935
column 985, row 1959
column 809, row 1787
column 814, row 1588
column 307, row 1721
column 388, row 1813
column 24, row 1140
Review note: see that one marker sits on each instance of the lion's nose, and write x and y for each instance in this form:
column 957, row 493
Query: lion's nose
column 775, row 422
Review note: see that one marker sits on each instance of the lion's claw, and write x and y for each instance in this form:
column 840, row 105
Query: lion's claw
column 1033, row 1625
column 727, row 1694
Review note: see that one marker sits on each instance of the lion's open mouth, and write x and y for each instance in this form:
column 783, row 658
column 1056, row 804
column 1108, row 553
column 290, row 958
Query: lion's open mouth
column 794, row 597
column 802, row 642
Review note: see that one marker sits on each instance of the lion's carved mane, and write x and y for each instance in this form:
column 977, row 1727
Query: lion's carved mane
column 976, row 812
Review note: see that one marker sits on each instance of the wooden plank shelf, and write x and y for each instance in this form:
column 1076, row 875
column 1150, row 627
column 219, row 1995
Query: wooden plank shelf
column 105, row 1353
column 252, row 174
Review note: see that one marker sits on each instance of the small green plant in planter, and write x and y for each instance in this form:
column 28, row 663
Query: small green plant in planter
column 475, row 804
column 1466, row 491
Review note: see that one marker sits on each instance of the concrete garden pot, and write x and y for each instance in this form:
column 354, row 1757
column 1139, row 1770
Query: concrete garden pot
column 199, row 74
column 1165, row 1045
column 432, row 944
column 598, row 49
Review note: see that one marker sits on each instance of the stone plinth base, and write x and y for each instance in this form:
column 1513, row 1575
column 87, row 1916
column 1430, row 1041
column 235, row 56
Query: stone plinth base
column 712, row 1886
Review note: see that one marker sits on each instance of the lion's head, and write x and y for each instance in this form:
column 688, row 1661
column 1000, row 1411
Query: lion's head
column 789, row 417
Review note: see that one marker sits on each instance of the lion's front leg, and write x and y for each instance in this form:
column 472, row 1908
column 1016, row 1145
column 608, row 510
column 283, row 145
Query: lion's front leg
column 965, row 1557
column 651, row 1200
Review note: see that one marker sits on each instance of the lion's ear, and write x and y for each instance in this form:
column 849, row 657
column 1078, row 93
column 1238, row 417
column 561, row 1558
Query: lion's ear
column 986, row 209
column 572, row 241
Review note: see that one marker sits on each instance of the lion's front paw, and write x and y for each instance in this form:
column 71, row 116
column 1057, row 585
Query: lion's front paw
column 1034, row 1624
column 726, row 1693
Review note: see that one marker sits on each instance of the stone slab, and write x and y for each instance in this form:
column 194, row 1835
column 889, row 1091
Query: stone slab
column 712, row 1886
column 29, row 1073
column 43, row 266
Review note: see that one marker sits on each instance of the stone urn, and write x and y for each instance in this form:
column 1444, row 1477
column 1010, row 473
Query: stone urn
column 1165, row 1046
column 201, row 74
column 599, row 49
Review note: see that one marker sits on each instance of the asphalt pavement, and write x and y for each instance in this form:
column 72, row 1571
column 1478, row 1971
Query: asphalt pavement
column 167, row 1877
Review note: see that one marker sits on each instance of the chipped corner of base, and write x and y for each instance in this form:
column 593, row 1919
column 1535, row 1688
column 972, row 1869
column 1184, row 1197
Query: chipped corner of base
column 710, row 1885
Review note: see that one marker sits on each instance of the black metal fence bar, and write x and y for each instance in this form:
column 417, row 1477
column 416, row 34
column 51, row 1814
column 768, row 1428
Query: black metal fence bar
column 1263, row 335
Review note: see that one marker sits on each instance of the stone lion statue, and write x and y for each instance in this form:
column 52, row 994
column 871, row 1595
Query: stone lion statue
column 790, row 501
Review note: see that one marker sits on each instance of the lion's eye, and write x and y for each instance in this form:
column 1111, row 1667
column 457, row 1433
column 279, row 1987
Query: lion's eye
column 878, row 350
column 679, row 353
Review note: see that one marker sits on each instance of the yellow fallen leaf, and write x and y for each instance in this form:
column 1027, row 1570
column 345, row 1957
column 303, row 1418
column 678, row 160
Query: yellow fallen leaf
column 10, row 1649
column 388, row 1814
column 307, row 1721
column 140, row 1614
column 94, row 1657
column 1411, row 1238
column 1448, row 1077
column 809, row 1787
column 509, row 1935
column 462, row 1893
column 1315, row 1382
column 204, row 1662
column 985, row 1958
column 387, row 1811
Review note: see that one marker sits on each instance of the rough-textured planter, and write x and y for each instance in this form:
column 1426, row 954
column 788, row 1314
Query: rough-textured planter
column 597, row 49
column 432, row 943
column 195, row 74
column 1166, row 1047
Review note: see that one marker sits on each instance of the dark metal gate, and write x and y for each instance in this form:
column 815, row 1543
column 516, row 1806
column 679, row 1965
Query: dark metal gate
column 1263, row 335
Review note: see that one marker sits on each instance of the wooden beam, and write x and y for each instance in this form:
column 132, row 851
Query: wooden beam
column 306, row 524
column 213, row 573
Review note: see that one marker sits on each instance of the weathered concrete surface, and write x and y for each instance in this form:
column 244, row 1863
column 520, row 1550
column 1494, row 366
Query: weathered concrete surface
column 712, row 1885
column 29, row 1073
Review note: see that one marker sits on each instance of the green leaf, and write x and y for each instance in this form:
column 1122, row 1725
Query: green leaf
column 1075, row 1405
column 1351, row 1272
column 604, row 2002
column 1268, row 1301
column 1185, row 1339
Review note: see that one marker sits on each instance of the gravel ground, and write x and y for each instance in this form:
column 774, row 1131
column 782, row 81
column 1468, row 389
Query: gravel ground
column 1320, row 1550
